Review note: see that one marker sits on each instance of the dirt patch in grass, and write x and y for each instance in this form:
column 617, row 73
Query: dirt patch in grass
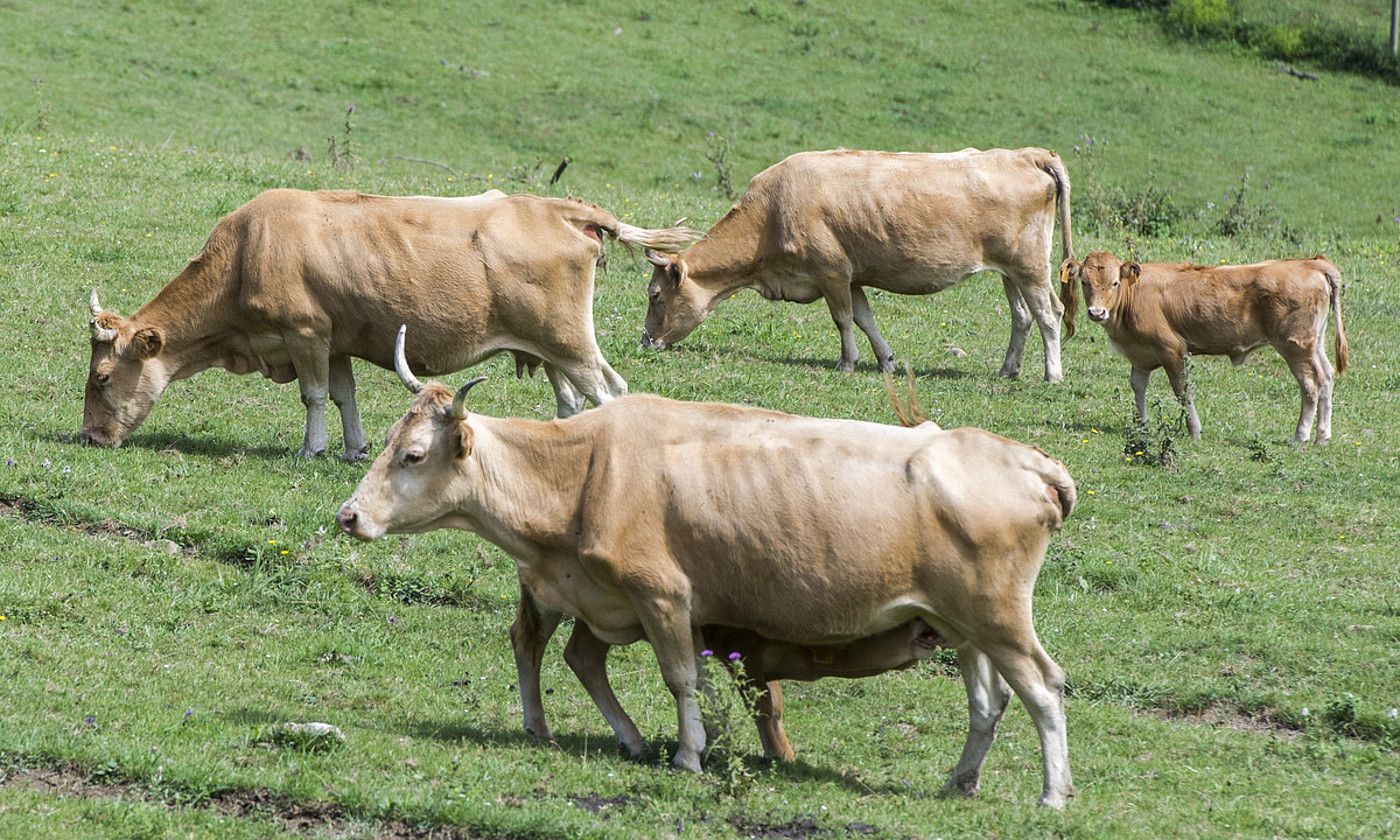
column 798, row 827
column 25, row 509
column 595, row 804
column 315, row 818
column 1264, row 721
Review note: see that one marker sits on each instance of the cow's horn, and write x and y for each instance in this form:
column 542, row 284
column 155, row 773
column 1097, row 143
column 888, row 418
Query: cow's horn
column 459, row 402
column 401, row 364
column 656, row 259
column 93, row 303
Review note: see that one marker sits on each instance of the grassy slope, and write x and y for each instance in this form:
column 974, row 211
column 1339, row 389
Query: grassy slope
column 1251, row 577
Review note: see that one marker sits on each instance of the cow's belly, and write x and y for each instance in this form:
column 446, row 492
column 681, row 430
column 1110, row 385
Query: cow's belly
column 796, row 288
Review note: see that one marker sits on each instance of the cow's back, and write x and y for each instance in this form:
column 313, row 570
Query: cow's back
column 905, row 213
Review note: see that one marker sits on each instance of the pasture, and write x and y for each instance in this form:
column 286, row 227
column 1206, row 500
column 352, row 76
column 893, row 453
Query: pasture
column 1229, row 621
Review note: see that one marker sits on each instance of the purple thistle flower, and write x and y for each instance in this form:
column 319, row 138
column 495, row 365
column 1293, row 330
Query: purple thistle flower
column 393, row 620
column 90, row 720
column 707, row 653
column 735, row 656
column 189, row 713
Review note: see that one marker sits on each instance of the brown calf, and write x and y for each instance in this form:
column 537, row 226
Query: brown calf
column 1157, row 313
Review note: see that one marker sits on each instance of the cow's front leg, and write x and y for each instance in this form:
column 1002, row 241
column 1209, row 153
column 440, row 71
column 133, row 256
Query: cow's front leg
column 1138, row 378
column 667, row 625
column 528, row 636
column 587, row 655
column 1176, row 375
column 311, row 358
column 1047, row 310
column 838, row 300
column 342, row 388
column 768, row 716
column 865, row 319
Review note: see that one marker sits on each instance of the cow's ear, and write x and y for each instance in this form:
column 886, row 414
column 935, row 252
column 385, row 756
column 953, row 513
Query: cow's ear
column 147, row 342
column 1129, row 272
column 463, row 439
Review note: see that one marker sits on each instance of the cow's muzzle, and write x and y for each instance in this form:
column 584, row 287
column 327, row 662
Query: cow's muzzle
column 96, row 438
column 1098, row 313
column 355, row 525
column 652, row 343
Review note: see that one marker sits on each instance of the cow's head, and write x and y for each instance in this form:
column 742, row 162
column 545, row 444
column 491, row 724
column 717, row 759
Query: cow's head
column 676, row 306
column 1103, row 277
column 125, row 376
column 414, row 484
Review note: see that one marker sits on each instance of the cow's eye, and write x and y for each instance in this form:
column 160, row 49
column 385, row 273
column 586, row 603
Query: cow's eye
column 103, row 378
column 654, row 294
column 412, row 457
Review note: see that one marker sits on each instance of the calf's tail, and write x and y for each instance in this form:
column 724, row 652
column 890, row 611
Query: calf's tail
column 1334, row 285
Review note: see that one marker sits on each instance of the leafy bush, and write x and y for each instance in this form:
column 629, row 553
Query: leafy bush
column 1201, row 17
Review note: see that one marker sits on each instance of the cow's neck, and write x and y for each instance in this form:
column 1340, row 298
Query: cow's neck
column 531, row 476
column 192, row 312
column 727, row 259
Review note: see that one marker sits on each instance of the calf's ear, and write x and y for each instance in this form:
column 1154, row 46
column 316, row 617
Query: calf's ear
column 147, row 342
column 1129, row 271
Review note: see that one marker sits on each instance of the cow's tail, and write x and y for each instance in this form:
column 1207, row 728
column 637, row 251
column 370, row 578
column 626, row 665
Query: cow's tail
column 1068, row 288
column 1059, row 487
column 910, row 412
column 1056, row 168
column 596, row 222
column 1334, row 287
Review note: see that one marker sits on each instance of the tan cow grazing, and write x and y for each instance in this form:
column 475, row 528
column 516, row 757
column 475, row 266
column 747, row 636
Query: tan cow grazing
column 650, row 518
column 827, row 225
column 1157, row 313
column 293, row 283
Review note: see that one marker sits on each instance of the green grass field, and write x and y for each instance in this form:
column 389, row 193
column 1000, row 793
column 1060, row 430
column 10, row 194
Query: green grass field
column 1229, row 624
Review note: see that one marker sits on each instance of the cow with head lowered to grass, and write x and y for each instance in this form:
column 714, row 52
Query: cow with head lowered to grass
column 1156, row 314
column 293, row 284
column 828, row 225
column 651, row 518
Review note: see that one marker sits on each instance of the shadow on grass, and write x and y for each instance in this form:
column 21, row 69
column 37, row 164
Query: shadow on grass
column 205, row 446
column 867, row 367
column 457, row 732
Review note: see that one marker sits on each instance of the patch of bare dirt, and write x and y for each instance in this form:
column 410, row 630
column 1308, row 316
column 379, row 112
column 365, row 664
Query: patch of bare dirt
column 797, row 828
column 27, row 510
column 314, row 818
column 1264, row 722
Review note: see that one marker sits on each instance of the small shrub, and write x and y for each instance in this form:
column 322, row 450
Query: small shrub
column 717, row 148
column 727, row 711
column 1201, row 17
column 1155, row 446
column 1284, row 42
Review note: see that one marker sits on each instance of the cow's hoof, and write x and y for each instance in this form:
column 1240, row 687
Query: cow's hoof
column 634, row 752
column 846, row 366
column 353, row 455
column 310, row 453
column 960, row 788
column 887, row 366
column 1054, row 379
column 1009, row 373
column 687, row 762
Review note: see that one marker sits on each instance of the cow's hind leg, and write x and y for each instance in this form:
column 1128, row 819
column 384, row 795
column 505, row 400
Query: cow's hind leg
column 1175, row 367
column 587, row 655
column 342, row 388
column 567, row 400
column 1047, row 310
column 987, row 695
column 1324, row 396
column 310, row 356
column 1040, row 683
column 528, row 636
column 1303, row 362
column 1020, row 329
column 865, row 319
column 768, row 717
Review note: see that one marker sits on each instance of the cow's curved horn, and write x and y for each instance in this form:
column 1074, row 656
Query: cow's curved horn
column 93, row 303
column 459, row 402
column 401, row 364
column 656, row 259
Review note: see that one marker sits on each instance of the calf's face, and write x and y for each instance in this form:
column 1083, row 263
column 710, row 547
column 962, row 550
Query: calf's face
column 675, row 305
column 1103, row 278
column 415, row 483
column 125, row 377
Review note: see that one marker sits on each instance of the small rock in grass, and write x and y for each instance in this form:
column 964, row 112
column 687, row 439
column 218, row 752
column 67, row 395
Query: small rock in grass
column 314, row 736
column 956, row 352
